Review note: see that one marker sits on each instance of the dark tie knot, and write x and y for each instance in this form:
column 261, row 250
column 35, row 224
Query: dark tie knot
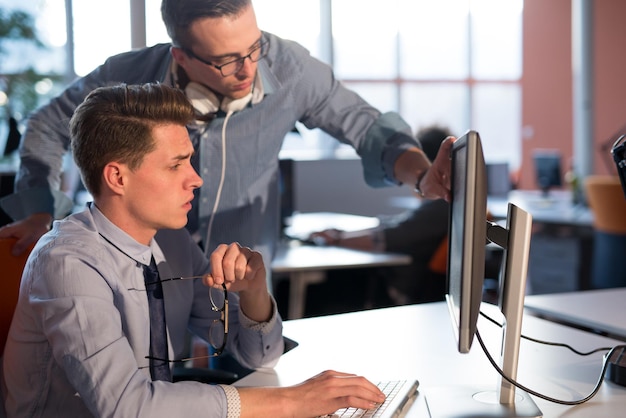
column 152, row 280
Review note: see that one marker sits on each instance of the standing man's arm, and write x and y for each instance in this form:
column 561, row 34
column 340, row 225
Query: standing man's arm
column 46, row 139
column 43, row 146
column 389, row 152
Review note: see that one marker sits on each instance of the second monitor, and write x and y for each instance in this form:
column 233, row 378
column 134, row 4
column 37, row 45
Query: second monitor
column 547, row 170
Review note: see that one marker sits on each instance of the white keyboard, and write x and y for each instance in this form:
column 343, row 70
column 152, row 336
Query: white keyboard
column 397, row 393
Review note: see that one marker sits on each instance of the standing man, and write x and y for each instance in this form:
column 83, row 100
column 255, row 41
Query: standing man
column 248, row 88
column 86, row 338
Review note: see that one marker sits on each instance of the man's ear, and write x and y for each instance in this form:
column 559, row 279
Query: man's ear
column 113, row 177
column 179, row 56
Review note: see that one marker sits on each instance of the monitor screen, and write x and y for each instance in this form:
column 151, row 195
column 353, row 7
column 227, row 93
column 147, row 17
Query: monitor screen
column 467, row 229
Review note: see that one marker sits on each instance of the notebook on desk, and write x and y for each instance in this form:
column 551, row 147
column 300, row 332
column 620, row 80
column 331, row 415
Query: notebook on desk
column 399, row 393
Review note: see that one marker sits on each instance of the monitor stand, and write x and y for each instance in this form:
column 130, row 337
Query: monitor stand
column 471, row 402
column 505, row 400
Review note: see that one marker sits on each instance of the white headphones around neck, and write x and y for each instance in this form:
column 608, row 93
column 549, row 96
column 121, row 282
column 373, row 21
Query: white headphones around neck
column 205, row 101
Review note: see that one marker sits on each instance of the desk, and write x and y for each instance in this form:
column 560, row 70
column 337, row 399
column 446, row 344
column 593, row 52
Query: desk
column 308, row 264
column 426, row 351
column 301, row 225
column 601, row 311
column 562, row 241
column 556, row 208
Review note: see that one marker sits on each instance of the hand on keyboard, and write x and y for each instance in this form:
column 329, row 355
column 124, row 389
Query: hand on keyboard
column 334, row 390
column 397, row 393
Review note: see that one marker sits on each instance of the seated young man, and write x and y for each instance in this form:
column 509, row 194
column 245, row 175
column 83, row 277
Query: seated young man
column 96, row 328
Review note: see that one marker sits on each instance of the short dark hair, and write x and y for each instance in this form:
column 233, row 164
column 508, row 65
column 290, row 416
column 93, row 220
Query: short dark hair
column 431, row 138
column 115, row 123
column 178, row 15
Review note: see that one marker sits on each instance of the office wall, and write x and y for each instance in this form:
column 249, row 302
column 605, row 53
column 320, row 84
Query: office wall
column 547, row 79
column 337, row 185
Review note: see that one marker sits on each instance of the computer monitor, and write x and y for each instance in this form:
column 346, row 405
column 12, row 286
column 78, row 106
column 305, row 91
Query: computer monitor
column 547, row 169
column 469, row 232
column 467, row 237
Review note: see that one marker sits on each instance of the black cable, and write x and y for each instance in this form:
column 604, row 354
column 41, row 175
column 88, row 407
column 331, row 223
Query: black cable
column 580, row 353
column 605, row 364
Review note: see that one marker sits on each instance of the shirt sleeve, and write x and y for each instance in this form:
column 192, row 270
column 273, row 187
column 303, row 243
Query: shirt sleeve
column 47, row 139
column 325, row 103
column 262, row 327
column 233, row 401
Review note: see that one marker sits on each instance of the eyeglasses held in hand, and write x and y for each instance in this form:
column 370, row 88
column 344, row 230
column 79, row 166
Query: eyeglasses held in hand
column 234, row 66
column 218, row 330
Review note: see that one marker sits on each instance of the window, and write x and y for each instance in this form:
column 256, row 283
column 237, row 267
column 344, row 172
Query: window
column 450, row 62
column 30, row 73
column 456, row 63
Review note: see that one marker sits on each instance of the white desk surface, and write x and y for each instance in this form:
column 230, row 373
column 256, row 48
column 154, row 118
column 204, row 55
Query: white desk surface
column 420, row 345
column 601, row 310
column 556, row 208
column 293, row 257
column 307, row 264
column 301, row 225
column 298, row 258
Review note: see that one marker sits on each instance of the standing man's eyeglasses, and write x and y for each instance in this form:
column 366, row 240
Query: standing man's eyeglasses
column 234, row 66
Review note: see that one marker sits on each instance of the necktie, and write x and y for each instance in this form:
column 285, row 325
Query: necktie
column 159, row 366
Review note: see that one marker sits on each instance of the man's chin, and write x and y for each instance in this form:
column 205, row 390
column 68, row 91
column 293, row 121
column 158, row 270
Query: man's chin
column 176, row 224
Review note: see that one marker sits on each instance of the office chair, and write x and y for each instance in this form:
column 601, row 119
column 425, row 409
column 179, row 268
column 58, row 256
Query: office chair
column 608, row 204
column 12, row 267
column 438, row 262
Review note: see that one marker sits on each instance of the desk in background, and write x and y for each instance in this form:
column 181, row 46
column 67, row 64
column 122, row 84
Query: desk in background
column 602, row 311
column 417, row 342
column 555, row 208
column 562, row 242
column 307, row 264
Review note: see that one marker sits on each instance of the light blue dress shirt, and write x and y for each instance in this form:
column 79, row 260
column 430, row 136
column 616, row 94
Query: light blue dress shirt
column 80, row 333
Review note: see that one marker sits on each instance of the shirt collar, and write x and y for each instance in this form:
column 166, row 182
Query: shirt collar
column 121, row 240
